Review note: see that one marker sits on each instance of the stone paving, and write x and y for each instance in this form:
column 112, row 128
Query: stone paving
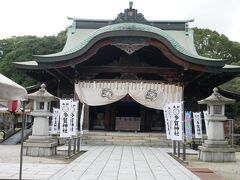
column 124, row 163
column 106, row 163
column 30, row 171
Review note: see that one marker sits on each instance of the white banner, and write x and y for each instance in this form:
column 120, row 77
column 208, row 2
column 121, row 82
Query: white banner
column 177, row 129
column 167, row 118
column 55, row 121
column 73, row 118
column 81, row 119
column 197, row 124
column 152, row 95
column 65, row 113
column 205, row 113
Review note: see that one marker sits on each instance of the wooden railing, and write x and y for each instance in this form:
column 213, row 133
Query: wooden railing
column 128, row 123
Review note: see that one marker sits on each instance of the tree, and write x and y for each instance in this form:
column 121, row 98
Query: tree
column 212, row 44
column 23, row 48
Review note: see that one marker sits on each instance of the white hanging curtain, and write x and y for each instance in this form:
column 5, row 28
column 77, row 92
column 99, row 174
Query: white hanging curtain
column 100, row 93
column 153, row 95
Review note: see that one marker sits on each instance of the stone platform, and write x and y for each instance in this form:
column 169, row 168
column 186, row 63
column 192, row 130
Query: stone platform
column 216, row 151
column 40, row 146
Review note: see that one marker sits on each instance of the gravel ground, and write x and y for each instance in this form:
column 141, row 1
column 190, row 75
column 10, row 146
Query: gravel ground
column 227, row 170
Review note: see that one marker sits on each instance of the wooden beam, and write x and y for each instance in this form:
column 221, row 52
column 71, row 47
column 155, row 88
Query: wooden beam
column 127, row 69
column 53, row 75
column 175, row 59
column 69, row 79
column 194, row 79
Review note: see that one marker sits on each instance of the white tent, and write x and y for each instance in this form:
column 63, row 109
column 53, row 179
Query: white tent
column 10, row 90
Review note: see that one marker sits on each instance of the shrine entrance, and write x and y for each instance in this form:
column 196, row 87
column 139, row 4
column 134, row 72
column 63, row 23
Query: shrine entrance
column 126, row 115
column 126, row 106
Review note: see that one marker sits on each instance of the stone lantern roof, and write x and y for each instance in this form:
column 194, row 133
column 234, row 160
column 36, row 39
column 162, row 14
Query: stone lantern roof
column 216, row 98
column 43, row 94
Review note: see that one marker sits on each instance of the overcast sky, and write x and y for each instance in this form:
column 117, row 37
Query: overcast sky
column 48, row 17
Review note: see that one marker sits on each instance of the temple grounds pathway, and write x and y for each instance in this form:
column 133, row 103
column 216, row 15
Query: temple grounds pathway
column 112, row 162
column 99, row 162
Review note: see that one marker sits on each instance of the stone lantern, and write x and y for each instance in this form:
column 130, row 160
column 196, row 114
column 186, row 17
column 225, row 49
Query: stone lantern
column 216, row 149
column 40, row 143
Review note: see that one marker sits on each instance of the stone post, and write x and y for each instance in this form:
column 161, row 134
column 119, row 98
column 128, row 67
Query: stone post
column 216, row 149
column 40, row 143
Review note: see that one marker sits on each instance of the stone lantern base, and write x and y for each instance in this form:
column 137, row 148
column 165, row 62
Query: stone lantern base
column 40, row 146
column 216, row 151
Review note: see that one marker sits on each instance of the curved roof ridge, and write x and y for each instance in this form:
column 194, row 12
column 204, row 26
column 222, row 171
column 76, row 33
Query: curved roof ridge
column 130, row 27
column 153, row 20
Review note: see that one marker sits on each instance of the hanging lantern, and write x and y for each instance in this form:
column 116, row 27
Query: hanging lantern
column 13, row 106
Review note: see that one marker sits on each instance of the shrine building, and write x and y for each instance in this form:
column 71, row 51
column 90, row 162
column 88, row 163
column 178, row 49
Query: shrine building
column 126, row 69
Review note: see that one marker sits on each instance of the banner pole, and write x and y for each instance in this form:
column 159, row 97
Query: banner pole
column 174, row 147
column 69, row 147
column 184, row 133
column 74, row 145
column 78, row 143
column 22, row 139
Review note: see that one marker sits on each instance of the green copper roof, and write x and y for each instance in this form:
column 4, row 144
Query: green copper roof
column 128, row 27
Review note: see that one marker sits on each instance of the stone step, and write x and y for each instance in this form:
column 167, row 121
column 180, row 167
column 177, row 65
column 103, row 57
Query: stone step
column 126, row 138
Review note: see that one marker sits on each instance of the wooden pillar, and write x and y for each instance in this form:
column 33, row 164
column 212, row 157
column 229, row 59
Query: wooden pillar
column 112, row 117
column 143, row 123
column 58, row 88
column 86, row 118
column 198, row 95
column 149, row 120
column 107, row 118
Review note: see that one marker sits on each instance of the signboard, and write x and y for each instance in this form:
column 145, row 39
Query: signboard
column 73, row 118
column 167, row 118
column 188, row 125
column 176, row 121
column 65, row 118
column 81, row 119
column 205, row 113
column 197, row 124
column 55, row 120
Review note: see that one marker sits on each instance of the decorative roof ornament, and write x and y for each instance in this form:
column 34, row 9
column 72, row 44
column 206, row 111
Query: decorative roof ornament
column 130, row 48
column 130, row 15
column 130, row 5
column 216, row 98
column 42, row 93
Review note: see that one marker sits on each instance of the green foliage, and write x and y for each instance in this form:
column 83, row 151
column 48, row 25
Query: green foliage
column 23, row 48
column 232, row 86
column 212, row 44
